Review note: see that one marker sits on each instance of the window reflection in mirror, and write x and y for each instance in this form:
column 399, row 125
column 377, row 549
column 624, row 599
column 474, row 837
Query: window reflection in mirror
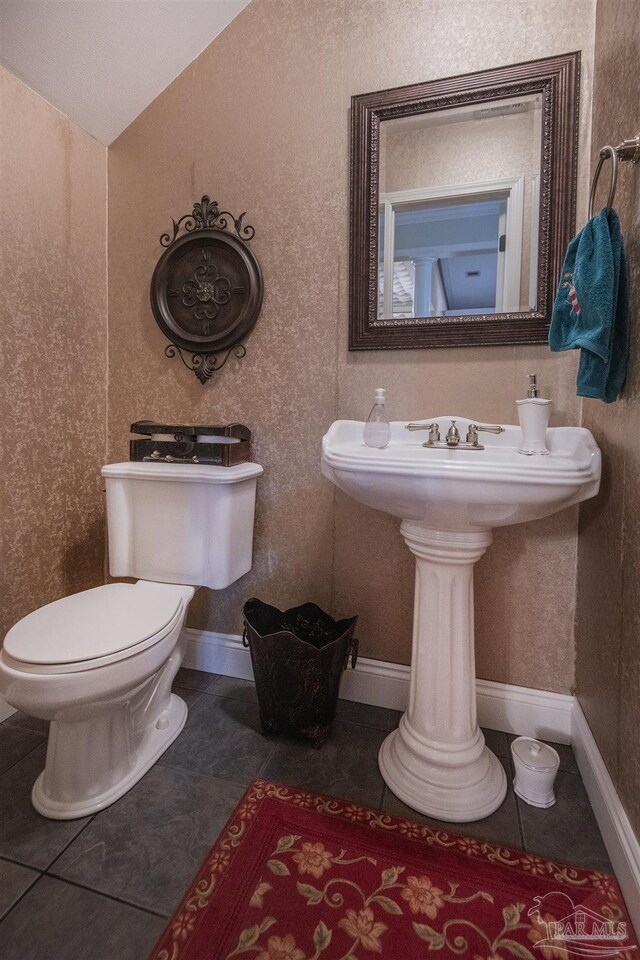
column 458, row 211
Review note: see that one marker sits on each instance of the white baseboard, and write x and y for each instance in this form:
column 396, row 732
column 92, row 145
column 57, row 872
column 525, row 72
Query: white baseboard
column 501, row 706
column 525, row 711
column 6, row 710
column 221, row 653
column 618, row 834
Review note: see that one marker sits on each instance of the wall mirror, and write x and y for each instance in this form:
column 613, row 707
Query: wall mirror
column 462, row 204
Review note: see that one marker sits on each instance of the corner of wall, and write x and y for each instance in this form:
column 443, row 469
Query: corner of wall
column 105, row 572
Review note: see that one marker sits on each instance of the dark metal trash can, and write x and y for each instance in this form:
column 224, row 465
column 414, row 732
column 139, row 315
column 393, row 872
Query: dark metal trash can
column 298, row 658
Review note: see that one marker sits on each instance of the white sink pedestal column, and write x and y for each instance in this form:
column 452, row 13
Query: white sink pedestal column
column 437, row 761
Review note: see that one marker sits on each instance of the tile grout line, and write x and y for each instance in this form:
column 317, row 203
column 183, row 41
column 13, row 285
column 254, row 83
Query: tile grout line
column 24, row 757
column 338, row 719
column 20, row 863
column 73, row 840
column 18, row 726
column 165, row 764
column 21, row 897
column 520, row 826
column 267, row 760
column 107, row 896
column 517, row 800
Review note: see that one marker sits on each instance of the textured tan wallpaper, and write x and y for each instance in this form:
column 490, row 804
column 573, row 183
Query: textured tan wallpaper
column 261, row 122
column 53, row 345
column 608, row 615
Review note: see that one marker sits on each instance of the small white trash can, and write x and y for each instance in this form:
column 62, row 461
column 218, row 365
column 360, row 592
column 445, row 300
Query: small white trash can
column 536, row 765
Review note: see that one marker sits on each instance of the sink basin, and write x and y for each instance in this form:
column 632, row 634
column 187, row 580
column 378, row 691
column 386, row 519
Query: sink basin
column 462, row 489
column 448, row 501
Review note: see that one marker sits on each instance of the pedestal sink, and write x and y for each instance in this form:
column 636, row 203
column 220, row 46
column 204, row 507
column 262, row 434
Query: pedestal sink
column 449, row 500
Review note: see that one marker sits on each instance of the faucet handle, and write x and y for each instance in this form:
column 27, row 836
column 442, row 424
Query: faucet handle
column 419, row 426
column 488, row 428
column 476, row 428
column 433, row 428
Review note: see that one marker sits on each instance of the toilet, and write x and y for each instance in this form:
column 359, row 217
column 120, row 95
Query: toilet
column 100, row 664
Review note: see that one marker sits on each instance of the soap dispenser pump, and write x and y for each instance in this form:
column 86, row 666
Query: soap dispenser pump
column 533, row 413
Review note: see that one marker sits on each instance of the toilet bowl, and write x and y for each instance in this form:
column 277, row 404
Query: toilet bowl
column 100, row 664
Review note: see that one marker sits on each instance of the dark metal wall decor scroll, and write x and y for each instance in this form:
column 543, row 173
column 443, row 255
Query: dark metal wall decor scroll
column 206, row 290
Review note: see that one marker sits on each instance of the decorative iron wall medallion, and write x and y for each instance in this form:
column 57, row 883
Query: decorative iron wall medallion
column 206, row 290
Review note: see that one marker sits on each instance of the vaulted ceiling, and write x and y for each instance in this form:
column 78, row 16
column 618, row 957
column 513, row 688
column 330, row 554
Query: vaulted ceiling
column 101, row 62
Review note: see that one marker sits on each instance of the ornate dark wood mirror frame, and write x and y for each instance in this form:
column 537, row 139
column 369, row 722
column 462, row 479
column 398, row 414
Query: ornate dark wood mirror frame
column 556, row 79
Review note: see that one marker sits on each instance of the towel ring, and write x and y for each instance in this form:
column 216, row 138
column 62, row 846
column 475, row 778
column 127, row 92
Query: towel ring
column 607, row 151
column 627, row 150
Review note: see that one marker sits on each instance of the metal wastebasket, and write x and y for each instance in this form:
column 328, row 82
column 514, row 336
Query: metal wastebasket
column 298, row 659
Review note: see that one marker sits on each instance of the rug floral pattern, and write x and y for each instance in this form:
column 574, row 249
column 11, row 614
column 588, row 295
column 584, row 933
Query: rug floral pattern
column 345, row 894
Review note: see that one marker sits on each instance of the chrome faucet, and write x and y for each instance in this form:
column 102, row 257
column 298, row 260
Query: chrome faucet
column 452, row 437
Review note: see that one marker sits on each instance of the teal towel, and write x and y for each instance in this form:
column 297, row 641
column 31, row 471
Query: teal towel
column 591, row 309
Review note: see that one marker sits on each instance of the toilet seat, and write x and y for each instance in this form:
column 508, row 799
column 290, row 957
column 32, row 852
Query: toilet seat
column 95, row 627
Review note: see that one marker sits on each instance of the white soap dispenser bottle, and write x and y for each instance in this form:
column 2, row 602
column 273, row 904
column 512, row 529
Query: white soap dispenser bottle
column 377, row 429
column 533, row 413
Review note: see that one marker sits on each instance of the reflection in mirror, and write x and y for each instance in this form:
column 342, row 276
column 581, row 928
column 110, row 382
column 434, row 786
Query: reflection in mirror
column 459, row 210
column 462, row 205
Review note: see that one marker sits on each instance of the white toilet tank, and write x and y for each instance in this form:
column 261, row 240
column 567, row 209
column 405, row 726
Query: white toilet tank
column 181, row 523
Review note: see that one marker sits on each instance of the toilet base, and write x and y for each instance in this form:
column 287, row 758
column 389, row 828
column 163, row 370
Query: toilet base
column 158, row 738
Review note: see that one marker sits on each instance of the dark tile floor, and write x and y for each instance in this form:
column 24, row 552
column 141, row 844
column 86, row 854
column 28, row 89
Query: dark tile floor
column 102, row 888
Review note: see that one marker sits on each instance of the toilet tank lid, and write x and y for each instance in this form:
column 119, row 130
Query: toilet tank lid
column 95, row 623
column 195, row 472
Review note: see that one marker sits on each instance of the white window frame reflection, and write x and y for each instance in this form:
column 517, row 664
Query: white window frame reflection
column 509, row 266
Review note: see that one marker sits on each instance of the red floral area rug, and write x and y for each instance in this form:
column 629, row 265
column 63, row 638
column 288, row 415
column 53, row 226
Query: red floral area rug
column 300, row 876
